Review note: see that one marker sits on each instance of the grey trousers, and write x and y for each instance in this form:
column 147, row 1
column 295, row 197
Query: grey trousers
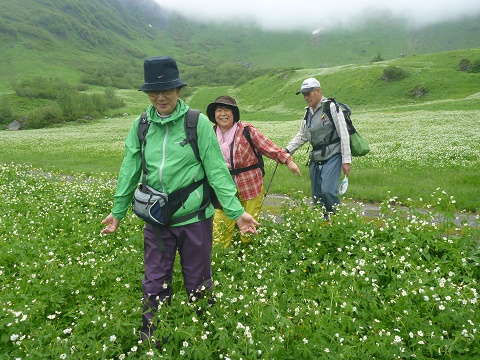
column 325, row 178
column 194, row 245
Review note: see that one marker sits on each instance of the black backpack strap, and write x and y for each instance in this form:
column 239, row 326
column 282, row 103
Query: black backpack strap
column 190, row 124
column 307, row 117
column 143, row 126
column 259, row 164
column 348, row 121
column 327, row 111
column 178, row 197
column 246, row 133
column 346, row 114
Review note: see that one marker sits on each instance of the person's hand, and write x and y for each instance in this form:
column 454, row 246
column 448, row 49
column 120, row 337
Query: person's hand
column 246, row 223
column 346, row 169
column 294, row 168
column 112, row 224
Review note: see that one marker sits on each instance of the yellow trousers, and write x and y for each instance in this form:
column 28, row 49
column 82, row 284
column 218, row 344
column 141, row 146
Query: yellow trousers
column 223, row 227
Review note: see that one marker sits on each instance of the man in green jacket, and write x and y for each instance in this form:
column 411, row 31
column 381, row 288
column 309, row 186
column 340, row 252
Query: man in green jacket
column 172, row 165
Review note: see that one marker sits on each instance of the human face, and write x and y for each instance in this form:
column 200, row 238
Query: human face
column 224, row 117
column 313, row 97
column 164, row 101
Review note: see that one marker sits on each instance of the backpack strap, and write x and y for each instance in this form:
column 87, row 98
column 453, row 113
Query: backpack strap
column 179, row 196
column 327, row 112
column 143, row 126
column 190, row 124
column 348, row 121
column 346, row 114
column 307, row 117
column 246, row 133
column 258, row 164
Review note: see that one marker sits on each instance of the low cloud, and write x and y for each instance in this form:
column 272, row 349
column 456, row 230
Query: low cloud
column 310, row 15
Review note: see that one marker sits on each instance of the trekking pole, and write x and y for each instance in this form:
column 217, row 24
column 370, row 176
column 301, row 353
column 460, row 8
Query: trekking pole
column 268, row 187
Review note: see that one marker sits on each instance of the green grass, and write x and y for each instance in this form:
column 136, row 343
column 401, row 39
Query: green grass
column 397, row 285
column 417, row 144
column 413, row 154
column 401, row 285
column 272, row 96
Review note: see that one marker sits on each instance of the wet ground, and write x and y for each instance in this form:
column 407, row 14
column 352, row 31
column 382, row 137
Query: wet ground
column 273, row 203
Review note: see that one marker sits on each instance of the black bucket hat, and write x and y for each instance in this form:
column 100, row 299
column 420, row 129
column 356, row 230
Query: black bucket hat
column 223, row 100
column 161, row 73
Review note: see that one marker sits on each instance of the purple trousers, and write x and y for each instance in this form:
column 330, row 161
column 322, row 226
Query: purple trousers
column 194, row 245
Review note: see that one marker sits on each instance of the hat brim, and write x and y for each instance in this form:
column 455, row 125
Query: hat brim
column 306, row 90
column 213, row 106
column 165, row 85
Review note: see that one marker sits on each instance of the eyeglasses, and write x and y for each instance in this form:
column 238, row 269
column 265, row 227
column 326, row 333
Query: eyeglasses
column 311, row 92
column 155, row 93
column 222, row 109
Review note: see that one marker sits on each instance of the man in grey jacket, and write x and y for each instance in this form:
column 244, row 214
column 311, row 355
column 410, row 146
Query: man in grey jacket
column 330, row 142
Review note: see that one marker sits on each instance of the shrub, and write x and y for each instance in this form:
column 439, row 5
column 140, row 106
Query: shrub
column 377, row 58
column 6, row 112
column 86, row 104
column 41, row 87
column 393, row 73
column 475, row 67
column 82, row 87
column 469, row 66
column 225, row 74
column 123, row 75
column 418, row 91
column 68, row 105
column 113, row 101
column 44, row 116
column 464, row 65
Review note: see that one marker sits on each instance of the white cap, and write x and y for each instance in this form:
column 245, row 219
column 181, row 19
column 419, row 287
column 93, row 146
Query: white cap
column 308, row 85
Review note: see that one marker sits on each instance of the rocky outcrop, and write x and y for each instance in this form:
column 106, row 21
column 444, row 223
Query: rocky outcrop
column 15, row 125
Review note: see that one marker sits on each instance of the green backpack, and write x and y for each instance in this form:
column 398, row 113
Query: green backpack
column 358, row 144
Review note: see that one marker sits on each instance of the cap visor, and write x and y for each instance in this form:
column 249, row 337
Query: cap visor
column 305, row 90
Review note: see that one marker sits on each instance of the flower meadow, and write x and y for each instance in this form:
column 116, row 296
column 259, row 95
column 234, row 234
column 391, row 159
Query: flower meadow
column 412, row 153
column 400, row 285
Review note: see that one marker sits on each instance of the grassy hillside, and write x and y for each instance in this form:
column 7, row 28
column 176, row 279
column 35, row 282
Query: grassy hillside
column 418, row 144
column 68, row 37
column 272, row 97
column 63, row 38
column 412, row 155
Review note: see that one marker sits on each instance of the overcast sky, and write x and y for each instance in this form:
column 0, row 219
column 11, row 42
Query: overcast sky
column 310, row 15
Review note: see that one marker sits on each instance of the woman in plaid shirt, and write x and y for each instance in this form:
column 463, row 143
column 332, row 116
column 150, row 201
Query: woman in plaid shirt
column 242, row 162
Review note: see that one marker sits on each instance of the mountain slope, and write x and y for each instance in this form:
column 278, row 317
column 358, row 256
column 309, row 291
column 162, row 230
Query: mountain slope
column 67, row 38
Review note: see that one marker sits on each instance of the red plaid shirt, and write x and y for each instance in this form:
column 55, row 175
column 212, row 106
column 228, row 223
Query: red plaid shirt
column 249, row 183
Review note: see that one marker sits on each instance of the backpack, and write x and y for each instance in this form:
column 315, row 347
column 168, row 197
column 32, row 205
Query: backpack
column 260, row 164
column 190, row 124
column 358, row 144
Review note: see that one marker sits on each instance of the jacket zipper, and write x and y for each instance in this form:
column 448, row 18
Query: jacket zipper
column 164, row 147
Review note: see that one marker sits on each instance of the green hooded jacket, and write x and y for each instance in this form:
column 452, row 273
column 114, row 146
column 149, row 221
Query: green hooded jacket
column 172, row 166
